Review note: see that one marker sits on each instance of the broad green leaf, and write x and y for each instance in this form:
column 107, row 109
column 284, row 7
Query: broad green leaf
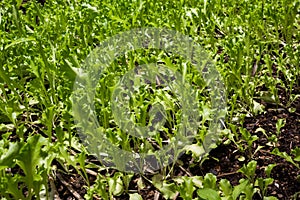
column 257, row 107
column 237, row 190
column 269, row 168
column 210, row 181
column 285, row 156
column 249, row 169
column 196, row 150
column 264, row 182
column 296, row 153
column 208, row 194
column 280, row 124
column 6, row 159
column 13, row 187
column 185, row 187
column 116, row 184
column 168, row 190
column 30, row 157
column 226, row 187
column 249, row 191
column 197, row 181
column 135, row 196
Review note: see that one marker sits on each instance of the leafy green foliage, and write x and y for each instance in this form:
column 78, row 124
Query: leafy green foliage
column 255, row 45
column 249, row 170
column 285, row 156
